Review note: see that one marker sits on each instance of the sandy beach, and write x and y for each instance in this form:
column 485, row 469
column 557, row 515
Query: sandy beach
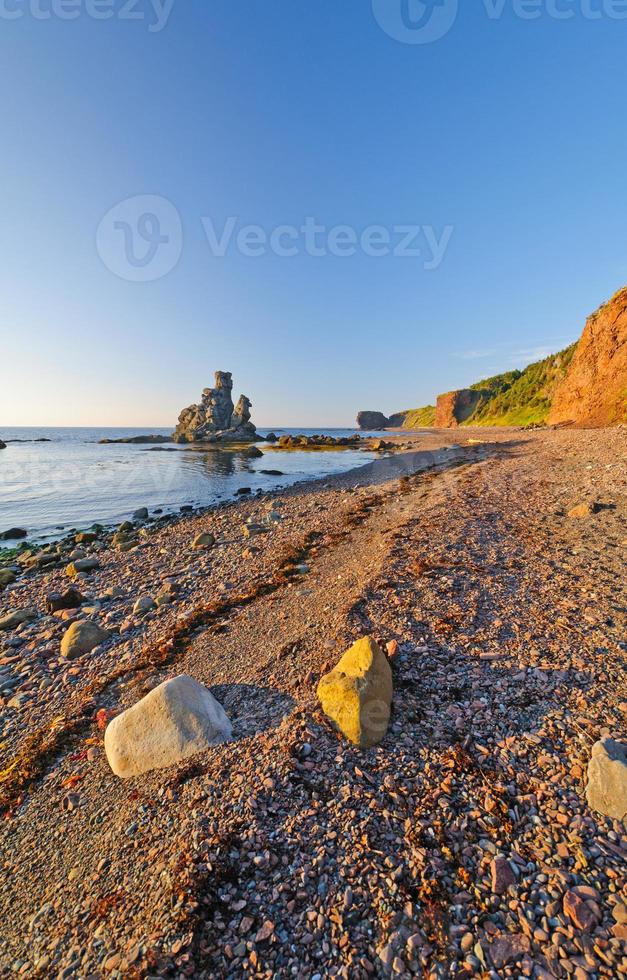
column 460, row 846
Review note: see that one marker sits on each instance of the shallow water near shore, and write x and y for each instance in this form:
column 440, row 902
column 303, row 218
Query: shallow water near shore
column 72, row 481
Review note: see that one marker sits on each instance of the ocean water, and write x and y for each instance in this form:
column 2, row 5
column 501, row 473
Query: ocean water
column 72, row 482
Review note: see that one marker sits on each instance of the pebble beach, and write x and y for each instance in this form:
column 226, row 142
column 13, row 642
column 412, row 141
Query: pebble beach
column 489, row 565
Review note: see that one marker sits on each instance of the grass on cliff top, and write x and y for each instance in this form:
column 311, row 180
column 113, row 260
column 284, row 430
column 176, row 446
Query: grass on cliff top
column 512, row 398
column 497, row 383
column 522, row 397
column 419, row 418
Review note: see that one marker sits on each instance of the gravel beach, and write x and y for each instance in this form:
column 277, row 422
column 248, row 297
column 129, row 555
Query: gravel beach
column 460, row 846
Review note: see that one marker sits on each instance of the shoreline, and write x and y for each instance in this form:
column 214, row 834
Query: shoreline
column 51, row 533
column 472, row 566
column 159, row 517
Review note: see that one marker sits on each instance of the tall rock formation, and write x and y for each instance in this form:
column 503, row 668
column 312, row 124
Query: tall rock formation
column 215, row 419
column 594, row 391
column 455, row 407
column 372, row 420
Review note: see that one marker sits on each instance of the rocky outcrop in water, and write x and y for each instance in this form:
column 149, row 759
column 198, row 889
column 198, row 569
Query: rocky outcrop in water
column 372, row 420
column 3, row 445
column 216, row 419
column 318, row 442
column 136, row 441
column 594, row 391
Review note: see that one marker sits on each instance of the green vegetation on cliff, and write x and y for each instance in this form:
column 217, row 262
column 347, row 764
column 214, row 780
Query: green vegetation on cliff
column 522, row 397
column 512, row 398
column 419, row 418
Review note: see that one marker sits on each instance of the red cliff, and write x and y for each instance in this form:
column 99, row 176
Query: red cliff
column 594, row 391
column 455, row 407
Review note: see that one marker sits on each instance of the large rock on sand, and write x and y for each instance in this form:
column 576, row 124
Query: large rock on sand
column 607, row 779
column 82, row 637
column 203, row 540
column 7, row 577
column 178, row 719
column 81, row 565
column 16, row 617
column 357, row 694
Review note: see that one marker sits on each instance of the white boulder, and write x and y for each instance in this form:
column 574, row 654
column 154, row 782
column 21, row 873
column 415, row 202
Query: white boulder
column 607, row 779
column 144, row 605
column 178, row 719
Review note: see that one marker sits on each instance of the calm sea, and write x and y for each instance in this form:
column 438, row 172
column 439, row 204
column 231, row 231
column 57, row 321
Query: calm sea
column 71, row 481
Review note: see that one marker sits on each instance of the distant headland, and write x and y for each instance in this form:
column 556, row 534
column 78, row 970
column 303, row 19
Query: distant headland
column 585, row 384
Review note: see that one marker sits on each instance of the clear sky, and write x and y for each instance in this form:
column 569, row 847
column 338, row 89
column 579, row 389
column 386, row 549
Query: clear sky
column 503, row 143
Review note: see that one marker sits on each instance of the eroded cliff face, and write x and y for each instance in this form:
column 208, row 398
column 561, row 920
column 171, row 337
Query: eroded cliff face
column 455, row 407
column 594, row 392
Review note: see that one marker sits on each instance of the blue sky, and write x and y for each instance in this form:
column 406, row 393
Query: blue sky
column 507, row 131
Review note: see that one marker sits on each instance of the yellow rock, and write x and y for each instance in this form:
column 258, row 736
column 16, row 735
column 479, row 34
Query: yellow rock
column 357, row 694
column 582, row 510
column 203, row 540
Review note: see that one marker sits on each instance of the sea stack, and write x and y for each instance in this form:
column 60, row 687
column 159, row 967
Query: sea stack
column 216, row 419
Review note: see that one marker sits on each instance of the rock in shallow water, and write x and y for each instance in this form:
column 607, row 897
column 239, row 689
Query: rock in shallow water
column 216, row 419
column 607, row 779
column 13, row 533
column 357, row 694
column 179, row 718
